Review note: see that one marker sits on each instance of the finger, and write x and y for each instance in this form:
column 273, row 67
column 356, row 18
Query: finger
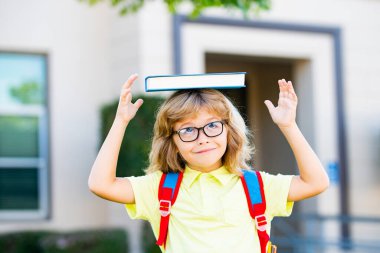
column 128, row 98
column 269, row 105
column 291, row 90
column 283, row 90
column 288, row 86
column 282, row 85
column 130, row 81
column 138, row 103
column 293, row 96
column 124, row 94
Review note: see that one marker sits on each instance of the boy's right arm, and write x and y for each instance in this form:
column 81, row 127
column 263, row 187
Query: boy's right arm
column 102, row 180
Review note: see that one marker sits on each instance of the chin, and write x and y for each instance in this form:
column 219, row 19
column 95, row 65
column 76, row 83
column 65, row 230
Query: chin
column 208, row 164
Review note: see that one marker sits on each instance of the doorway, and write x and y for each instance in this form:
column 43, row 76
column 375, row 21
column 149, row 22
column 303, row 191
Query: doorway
column 272, row 152
column 312, row 57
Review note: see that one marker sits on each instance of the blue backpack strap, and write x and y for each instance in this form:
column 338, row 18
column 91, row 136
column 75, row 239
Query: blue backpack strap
column 254, row 191
column 167, row 195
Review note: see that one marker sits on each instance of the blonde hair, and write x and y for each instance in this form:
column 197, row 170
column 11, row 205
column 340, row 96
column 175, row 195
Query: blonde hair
column 186, row 103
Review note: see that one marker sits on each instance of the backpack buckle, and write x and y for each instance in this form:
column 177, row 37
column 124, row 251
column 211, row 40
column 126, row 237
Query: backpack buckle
column 165, row 207
column 261, row 222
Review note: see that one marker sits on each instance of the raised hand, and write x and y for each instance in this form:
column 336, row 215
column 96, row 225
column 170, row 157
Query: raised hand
column 284, row 115
column 312, row 178
column 126, row 110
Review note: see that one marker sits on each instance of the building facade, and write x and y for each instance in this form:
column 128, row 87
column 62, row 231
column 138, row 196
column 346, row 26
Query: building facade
column 329, row 49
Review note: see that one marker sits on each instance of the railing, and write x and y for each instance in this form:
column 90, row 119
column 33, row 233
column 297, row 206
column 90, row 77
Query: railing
column 311, row 233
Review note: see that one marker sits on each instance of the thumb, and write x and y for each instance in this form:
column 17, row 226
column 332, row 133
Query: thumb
column 269, row 105
column 138, row 103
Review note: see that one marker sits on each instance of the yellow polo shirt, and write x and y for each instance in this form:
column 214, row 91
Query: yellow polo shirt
column 211, row 211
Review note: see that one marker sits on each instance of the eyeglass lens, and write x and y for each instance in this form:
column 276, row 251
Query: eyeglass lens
column 191, row 133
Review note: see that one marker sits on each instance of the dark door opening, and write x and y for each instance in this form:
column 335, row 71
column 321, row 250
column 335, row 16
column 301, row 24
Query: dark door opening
column 272, row 152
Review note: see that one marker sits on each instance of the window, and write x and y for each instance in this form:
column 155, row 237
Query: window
column 23, row 136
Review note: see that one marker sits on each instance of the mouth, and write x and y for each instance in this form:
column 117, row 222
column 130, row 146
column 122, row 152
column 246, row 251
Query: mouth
column 205, row 151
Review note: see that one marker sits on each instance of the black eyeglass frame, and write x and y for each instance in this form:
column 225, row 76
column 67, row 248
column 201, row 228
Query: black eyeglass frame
column 203, row 129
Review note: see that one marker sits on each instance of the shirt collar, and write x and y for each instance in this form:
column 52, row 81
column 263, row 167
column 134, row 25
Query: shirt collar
column 222, row 175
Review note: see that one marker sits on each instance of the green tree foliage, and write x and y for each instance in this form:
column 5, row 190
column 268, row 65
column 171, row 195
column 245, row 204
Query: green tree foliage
column 28, row 92
column 134, row 151
column 245, row 6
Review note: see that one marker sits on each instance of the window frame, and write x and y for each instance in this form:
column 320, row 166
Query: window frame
column 42, row 162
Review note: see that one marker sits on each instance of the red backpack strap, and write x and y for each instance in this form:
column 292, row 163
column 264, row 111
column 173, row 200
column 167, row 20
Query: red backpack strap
column 167, row 195
column 254, row 191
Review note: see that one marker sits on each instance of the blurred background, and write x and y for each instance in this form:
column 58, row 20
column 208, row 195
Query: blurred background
column 62, row 64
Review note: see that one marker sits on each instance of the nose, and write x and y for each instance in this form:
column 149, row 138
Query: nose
column 202, row 137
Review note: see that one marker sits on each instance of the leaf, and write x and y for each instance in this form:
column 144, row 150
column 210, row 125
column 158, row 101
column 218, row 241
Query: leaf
column 245, row 6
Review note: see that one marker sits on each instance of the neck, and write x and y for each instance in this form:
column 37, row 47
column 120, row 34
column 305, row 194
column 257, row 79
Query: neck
column 205, row 169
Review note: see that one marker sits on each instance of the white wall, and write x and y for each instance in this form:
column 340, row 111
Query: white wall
column 76, row 39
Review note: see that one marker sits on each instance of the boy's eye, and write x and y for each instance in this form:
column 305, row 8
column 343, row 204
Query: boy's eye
column 213, row 125
column 187, row 130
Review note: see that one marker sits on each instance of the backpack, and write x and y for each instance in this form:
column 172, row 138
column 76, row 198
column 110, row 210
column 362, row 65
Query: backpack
column 254, row 191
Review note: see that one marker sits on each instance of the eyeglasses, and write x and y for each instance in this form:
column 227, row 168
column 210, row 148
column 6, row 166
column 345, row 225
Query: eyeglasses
column 189, row 134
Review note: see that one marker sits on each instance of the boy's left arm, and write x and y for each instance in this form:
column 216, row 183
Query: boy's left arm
column 313, row 178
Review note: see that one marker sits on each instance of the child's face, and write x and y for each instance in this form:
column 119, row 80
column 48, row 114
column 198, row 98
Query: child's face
column 205, row 153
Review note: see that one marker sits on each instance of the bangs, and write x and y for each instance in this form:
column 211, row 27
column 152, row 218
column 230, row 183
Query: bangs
column 188, row 104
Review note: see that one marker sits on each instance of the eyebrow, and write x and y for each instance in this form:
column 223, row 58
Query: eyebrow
column 189, row 122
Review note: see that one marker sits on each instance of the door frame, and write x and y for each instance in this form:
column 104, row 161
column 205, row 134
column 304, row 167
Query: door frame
column 336, row 34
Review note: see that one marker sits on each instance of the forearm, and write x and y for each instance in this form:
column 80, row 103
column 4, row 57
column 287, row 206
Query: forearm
column 103, row 172
column 311, row 170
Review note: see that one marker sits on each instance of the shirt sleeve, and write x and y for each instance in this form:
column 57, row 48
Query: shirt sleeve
column 145, row 190
column 276, row 189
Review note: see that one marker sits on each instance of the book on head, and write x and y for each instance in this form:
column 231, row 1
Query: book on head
column 227, row 80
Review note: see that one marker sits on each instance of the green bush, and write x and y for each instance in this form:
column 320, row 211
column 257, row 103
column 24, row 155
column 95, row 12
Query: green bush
column 102, row 241
column 134, row 151
column 90, row 241
column 22, row 242
column 148, row 239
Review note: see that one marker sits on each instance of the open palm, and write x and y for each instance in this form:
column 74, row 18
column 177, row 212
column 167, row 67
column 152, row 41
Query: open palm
column 126, row 110
column 284, row 115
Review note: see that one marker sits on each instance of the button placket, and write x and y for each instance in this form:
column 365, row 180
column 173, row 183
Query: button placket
column 210, row 196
